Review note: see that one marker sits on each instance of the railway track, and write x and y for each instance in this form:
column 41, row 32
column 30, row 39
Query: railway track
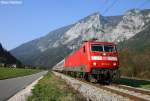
column 132, row 93
column 125, row 91
column 142, row 91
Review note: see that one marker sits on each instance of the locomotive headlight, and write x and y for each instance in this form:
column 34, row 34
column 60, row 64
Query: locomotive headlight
column 94, row 63
column 114, row 64
column 96, row 57
column 104, row 54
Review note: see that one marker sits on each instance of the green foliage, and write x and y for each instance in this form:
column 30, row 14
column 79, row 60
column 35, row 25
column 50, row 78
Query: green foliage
column 6, row 73
column 135, row 64
column 51, row 88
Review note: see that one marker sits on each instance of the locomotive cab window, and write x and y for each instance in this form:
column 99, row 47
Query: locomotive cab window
column 97, row 48
column 102, row 48
column 109, row 48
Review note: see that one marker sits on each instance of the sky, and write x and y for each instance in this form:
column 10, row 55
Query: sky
column 24, row 20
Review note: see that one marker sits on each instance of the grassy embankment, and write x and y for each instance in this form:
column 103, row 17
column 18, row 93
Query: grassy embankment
column 52, row 88
column 6, row 73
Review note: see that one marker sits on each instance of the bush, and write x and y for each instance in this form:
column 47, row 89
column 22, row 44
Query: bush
column 135, row 64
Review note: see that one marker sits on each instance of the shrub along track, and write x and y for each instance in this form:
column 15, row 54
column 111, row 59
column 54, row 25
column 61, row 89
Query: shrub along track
column 122, row 90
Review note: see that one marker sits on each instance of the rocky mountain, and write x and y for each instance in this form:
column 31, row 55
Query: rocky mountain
column 139, row 43
column 6, row 59
column 50, row 49
column 133, row 22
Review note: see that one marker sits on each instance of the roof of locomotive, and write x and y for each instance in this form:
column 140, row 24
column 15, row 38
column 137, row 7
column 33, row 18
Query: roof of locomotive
column 98, row 42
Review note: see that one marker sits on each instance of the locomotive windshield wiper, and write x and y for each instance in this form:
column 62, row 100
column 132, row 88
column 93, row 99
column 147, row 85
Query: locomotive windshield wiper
column 109, row 48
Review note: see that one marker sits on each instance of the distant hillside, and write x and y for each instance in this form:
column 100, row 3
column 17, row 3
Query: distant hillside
column 6, row 59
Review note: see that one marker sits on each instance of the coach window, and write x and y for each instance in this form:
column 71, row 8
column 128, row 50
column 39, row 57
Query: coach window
column 83, row 49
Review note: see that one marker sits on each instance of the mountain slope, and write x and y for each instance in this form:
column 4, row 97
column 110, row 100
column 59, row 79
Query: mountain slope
column 34, row 52
column 140, row 42
column 48, row 50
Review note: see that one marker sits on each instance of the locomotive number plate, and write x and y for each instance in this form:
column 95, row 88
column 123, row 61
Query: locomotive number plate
column 105, row 64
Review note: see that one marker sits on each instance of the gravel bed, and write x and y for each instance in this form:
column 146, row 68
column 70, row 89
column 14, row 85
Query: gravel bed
column 90, row 92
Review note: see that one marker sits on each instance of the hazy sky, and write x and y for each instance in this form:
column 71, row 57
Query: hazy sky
column 25, row 20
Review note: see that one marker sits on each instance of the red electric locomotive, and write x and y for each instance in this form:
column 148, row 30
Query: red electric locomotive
column 95, row 61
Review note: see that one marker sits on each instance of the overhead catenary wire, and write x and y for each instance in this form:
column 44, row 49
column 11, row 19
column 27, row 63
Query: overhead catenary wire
column 110, row 6
column 106, row 1
column 143, row 3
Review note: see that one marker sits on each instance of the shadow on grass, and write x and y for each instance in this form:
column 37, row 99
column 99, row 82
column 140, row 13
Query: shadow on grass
column 133, row 83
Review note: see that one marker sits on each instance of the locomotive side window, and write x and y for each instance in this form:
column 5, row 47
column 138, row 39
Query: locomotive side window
column 83, row 49
column 97, row 48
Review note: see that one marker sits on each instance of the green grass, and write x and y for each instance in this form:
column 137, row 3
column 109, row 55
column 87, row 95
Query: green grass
column 134, row 83
column 52, row 88
column 6, row 73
